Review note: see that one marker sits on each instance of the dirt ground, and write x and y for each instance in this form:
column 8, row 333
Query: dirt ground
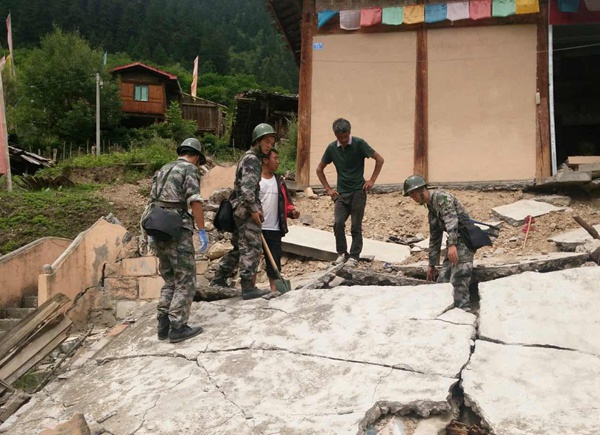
column 392, row 214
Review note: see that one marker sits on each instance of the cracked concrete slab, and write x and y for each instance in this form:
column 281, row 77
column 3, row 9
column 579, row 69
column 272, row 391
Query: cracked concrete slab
column 319, row 244
column 545, row 309
column 516, row 212
column 569, row 240
column 306, row 362
column 533, row 391
column 490, row 268
column 389, row 326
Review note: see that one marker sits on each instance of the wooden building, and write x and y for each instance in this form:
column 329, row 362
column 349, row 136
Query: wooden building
column 147, row 92
column 485, row 100
column 255, row 106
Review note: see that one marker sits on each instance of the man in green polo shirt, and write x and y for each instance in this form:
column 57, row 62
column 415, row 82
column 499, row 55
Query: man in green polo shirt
column 348, row 154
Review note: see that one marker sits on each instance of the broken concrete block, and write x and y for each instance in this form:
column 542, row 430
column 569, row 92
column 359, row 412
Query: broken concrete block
column 458, row 317
column 122, row 288
column 218, row 250
column 569, row 240
column 319, row 244
column 140, row 266
column 556, row 200
column 521, row 390
column 201, row 267
column 75, row 426
column 434, row 425
column 150, row 287
column 565, row 178
column 516, row 212
column 113, row 270
column 557, row 309
column 592, row 248
column 124, row 309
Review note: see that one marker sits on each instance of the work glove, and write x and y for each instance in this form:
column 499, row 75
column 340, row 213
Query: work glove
column 203, row 241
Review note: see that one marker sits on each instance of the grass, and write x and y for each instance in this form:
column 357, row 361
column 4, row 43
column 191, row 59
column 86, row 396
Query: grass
column 26, row 216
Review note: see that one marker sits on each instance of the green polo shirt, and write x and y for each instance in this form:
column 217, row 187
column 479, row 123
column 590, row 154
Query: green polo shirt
column 349, row 163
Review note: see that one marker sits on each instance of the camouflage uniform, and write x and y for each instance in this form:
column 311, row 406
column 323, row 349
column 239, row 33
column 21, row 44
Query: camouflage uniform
column 245, row 199
column 446, row 213
column 177, row 260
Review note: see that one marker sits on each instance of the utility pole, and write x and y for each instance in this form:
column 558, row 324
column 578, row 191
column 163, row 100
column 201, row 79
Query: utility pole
column 4, row 138
column 98, row 114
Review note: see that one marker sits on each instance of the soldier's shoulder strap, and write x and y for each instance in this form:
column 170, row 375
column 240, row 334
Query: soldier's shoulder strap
column 164, row 179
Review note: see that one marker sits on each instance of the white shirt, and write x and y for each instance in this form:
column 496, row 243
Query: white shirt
column 269, row 197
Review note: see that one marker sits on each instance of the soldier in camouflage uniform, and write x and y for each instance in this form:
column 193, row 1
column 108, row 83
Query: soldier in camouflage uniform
column 446, row 213
column 248, row 216
column 175, row 187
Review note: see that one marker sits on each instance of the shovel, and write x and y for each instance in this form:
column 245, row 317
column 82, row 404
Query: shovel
column 281, row 285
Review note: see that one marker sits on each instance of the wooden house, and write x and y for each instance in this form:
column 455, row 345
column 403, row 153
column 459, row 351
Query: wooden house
column 147, row 92
column 256, row 106
column 502, row 93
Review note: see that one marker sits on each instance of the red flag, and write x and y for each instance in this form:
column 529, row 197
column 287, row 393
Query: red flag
column 10, row 44
column 195, row 77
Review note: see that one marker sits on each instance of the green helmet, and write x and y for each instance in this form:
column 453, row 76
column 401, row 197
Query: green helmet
column 412, row 183
column 262, row 130
column 191, row 143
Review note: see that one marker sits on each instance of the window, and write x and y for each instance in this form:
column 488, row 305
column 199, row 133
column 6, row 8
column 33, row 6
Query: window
column 140, row 93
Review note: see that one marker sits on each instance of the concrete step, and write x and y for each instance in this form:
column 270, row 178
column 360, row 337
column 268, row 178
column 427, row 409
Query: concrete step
column 29, row 301
column 6, row 324
column 15, row 313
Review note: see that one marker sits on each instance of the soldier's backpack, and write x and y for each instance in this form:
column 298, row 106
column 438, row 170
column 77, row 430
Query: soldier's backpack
column 224, row 218
column 162, row 224
column 473, row 236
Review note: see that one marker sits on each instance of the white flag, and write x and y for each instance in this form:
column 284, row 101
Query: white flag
column 10, row 44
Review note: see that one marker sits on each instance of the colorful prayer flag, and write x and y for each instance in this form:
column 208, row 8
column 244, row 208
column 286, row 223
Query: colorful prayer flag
column 436, row 12
column 10, row 43
column 350, row 20
column 195, row 77
column 479, row 9
column 370, row 17
column 592, row 5
column 527, row 6
column 458, row 11
column 503, row 8
column 568, row 6
column 414, row 14
column 393, row 16
column 324, row 17
column 3, row 162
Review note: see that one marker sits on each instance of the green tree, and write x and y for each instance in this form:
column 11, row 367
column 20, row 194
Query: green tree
column 58, row 84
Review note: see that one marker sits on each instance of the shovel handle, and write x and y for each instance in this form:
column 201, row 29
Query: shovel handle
column 269, row 255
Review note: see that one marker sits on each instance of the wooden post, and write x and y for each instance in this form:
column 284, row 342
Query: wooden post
column 543, row 161
column 421, row 105
column 54, row 155
column 305, row 93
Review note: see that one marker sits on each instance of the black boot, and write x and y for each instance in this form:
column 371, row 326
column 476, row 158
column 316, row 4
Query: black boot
column 163, row 326
column 219, row 282
column 250, row 291
column 183, row 333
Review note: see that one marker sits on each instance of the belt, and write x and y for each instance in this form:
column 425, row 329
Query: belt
column 179, row 205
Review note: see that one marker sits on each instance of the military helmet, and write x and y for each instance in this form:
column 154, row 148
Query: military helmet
column 413, row 183
column 191, row 143
column 262, row 130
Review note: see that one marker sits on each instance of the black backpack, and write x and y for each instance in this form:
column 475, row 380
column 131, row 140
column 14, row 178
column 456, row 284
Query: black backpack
column 224, row 218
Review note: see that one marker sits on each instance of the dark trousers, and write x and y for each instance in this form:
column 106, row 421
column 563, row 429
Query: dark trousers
column 273, row 239
column 349, row 204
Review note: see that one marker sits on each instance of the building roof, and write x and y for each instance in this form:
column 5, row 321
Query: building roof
column 288, row 18
column 144, row 66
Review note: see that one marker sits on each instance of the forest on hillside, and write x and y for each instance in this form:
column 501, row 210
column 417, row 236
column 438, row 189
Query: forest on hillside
column 231, row 36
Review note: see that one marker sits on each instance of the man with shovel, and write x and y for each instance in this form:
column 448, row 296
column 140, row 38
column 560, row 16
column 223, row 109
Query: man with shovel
column 277, row 207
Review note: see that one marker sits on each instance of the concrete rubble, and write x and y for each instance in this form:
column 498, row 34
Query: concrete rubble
column 569, row 240
column 297, row 364
column 515, row 213
column 319, row 244
column 536, row 366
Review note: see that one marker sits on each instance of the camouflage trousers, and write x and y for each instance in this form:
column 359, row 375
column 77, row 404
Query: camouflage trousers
column 178, row 269
column 459, row 275
column 246, row 252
